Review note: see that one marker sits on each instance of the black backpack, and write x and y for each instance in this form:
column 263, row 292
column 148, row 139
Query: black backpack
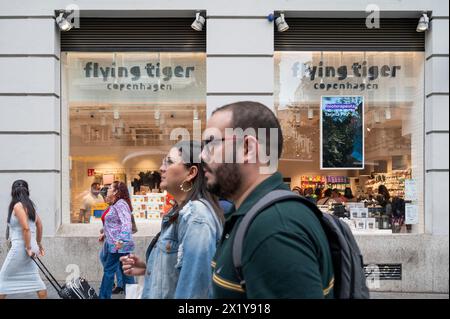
column 349, row 276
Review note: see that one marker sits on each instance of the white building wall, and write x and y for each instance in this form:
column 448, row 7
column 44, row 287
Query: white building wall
column 239, row 60
column 29, row 112
column 437, row 125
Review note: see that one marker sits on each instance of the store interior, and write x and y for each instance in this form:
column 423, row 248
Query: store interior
column 128, row 143
column 124, row 143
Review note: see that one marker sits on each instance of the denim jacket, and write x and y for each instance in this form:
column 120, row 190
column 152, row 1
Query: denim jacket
column 179, row 265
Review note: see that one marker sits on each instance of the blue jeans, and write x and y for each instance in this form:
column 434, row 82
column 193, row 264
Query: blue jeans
column 119, row 277
column 112, row 261
column 119, row 272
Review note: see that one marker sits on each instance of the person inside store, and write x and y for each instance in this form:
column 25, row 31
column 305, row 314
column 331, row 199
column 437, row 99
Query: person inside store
column 370, row 196
column 104, row 191
column 92, row 198
column 318, row 194
column 336, row 195
column 384, row 199
column 297, row 190
column 327, row 198
column 309, row 195
column 178, row 261
column 119, row 242
column 285, row 252
column 348, row 194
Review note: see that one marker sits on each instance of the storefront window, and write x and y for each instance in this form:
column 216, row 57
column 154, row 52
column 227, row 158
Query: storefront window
column 353, row 122
column 123, row 108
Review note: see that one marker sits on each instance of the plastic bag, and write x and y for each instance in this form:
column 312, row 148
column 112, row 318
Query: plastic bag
column 134, row 291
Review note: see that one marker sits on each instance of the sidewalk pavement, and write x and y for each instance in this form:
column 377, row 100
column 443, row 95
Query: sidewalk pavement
column 405, row 295
column 52, row 294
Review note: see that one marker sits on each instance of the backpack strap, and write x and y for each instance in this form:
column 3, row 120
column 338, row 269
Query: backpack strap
column 151, row 246
column 265, row 202
column 217, row 222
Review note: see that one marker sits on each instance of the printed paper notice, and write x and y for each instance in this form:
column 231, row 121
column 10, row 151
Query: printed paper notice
column 411, row 214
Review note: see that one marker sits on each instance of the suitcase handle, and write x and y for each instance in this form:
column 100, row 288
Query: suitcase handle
column 42, row 267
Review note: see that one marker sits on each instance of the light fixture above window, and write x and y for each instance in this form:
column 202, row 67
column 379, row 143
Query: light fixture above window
column 423, row 24
column 281, row 23
column 199, row 22
column 63, row 22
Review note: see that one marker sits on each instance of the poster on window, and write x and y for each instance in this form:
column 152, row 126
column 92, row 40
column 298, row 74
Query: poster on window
column 342, row 132
column 411, row 214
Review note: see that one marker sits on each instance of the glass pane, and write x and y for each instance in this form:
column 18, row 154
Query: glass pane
column 391, row 87
column 122, row 110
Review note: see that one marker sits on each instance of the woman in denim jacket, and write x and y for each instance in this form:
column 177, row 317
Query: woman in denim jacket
column 179, row 259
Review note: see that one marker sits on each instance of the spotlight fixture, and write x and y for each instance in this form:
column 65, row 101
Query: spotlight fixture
column 387, row 113
column 198, row 23
column 423, row 24
column 62, row 21
column 376, row 117
column 281, row 23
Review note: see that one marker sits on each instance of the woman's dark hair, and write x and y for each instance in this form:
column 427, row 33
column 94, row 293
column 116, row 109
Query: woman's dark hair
column 21, row 194
column 122, row 193
column 328, row 192
column 348, row 193
column 298, row 190
column 190, row 153
column 382, row 190
column 318, row 192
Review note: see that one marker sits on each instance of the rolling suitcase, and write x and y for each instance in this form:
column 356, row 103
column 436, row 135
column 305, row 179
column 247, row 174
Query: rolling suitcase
column 78, row 288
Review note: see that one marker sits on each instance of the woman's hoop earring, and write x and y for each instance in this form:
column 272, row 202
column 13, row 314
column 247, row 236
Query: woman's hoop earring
column 182, row 186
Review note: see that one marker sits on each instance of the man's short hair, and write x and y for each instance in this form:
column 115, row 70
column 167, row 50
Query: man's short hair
column 94, row 185
column 254, row 115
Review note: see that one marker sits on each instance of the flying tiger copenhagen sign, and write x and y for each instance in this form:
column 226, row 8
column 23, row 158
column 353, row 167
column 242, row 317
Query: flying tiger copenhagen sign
column 136, row 77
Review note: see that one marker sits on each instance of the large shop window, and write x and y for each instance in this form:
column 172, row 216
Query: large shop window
column 353, row 121
column 123, row 108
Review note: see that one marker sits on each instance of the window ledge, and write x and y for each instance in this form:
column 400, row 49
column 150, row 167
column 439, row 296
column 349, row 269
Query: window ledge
column 145, row 229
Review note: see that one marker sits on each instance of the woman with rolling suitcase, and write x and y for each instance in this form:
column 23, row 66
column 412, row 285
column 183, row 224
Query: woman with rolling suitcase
column 19, row 274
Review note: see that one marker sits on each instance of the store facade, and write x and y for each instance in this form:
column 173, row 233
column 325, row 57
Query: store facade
column 359, row 108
